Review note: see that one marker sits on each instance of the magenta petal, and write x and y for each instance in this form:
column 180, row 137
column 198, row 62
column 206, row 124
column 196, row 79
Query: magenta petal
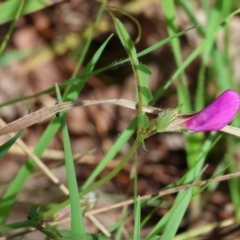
column 216, row 115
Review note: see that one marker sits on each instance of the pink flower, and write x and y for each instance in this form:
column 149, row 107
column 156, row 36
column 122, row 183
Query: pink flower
column 215, row 116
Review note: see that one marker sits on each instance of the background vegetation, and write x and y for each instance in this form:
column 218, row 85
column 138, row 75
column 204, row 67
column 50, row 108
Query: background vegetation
column 142, row 51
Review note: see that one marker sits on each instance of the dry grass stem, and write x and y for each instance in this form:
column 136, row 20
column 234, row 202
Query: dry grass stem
column 99, row 225
column 47, row 112
column 165, row 192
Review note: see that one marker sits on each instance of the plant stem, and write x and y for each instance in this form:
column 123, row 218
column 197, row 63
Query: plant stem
column 116, row 170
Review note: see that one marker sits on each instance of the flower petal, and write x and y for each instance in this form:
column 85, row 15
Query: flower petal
column 216, row 115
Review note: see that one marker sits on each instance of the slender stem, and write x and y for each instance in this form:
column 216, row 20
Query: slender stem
column 115, row 170
column 139, row 100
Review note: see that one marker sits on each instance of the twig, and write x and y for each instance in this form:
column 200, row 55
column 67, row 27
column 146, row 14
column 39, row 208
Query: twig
column 99, row 225
column 165, row 192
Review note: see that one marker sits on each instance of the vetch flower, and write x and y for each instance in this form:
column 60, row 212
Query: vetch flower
column 216, row 115
column 212, row 118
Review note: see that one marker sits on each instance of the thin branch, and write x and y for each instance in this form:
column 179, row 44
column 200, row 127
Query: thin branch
column 99, row 225
column 165, row 192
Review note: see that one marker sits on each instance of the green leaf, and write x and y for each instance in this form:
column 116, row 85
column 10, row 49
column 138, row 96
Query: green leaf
column 77, row 222
column 144, row 69
column 5, row 147
column 144, row 120
column 176, row 214
column 146, row 93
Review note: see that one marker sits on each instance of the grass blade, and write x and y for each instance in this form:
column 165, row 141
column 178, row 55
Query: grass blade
column 77, row 223
column 5, row 147
column 137, row 220
column 179, row 208
column 183, row 94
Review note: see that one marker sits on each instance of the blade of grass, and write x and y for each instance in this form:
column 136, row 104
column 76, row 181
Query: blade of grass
column 194, row 142
column 17, row 184
column 234, row 183
column 135, row 177
column 226, row 10
column 183, row 198
column 77, row 223
column 5, row 147
column 119, row 227
column 183, row 94
column 124, row 213
column 213, row 22
column 152, row 212
column 187, row 7
column 137, row 220
column 180, row 206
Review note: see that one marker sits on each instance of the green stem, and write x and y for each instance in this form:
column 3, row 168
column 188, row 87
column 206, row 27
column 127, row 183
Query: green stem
column 116, row 170
column 140, row 101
